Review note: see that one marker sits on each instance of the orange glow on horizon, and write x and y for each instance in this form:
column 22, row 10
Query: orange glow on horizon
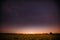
column 30, row 32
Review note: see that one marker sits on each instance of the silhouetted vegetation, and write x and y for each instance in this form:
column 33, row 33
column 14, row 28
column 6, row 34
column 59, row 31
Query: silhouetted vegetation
column 51, row 33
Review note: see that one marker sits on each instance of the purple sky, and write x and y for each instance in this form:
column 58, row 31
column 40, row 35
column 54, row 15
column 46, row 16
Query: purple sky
column 39, row 14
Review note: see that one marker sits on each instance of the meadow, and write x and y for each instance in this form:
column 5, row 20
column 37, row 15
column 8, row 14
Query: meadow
column 6, row 36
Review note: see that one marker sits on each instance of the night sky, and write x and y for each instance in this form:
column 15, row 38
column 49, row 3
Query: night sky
column 30, row 16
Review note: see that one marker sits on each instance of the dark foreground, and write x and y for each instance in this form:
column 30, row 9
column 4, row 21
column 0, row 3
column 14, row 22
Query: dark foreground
column 6, row 36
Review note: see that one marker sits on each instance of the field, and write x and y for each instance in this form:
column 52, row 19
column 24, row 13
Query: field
column 6, row 36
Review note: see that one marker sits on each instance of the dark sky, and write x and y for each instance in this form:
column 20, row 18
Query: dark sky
column 27, row 14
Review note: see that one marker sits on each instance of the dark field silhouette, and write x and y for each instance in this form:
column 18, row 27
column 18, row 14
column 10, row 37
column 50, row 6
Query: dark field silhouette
column 13, row 36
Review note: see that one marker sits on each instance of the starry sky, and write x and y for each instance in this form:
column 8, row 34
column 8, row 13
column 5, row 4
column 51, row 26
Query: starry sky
column 30, row 16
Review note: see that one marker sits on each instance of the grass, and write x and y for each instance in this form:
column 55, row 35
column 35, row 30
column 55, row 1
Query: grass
column 7, row 36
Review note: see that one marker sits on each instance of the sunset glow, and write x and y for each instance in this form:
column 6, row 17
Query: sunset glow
column 28, row 33
column 31, row 30
column 30, row 17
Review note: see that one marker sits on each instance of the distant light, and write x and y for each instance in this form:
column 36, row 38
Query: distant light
column 31, row 33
